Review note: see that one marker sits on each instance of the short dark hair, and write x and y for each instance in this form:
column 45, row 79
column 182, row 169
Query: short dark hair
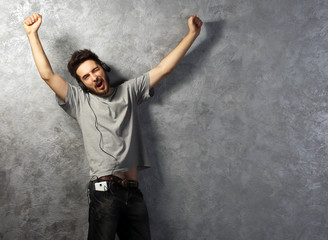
column 78, row 57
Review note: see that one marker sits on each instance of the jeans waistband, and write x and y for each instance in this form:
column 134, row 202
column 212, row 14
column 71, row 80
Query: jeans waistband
column 126, row 183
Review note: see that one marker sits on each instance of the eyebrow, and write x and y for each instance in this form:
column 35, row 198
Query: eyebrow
column 86, row 75
column 96, row 68
column 93, row 70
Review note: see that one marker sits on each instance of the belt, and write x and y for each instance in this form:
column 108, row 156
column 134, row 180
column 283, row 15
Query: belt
column 123, row 182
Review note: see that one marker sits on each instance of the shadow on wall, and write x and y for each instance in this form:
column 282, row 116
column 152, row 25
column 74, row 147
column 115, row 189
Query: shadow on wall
column 193, row 61
column 152, row 181
column 65, row 45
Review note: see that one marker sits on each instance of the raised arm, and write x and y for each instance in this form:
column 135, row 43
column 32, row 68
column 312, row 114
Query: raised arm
column 55, row 82
column 171, row 61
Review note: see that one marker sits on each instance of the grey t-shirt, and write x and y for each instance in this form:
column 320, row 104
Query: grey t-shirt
column 119, row 146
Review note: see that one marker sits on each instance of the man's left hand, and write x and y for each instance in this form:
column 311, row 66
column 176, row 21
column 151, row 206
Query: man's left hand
column 195, row 24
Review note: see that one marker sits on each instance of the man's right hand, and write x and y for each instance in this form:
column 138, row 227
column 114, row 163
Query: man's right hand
column 55, row 82
column 32, row 23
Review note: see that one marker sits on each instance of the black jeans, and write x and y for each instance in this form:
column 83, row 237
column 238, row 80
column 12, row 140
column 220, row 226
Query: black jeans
column 118, row 210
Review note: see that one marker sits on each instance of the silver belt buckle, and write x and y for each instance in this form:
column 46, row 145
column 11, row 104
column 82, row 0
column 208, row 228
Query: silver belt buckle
column 125, row 183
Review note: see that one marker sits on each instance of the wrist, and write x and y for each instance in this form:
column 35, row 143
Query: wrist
column 193, row 34
column 32, row 34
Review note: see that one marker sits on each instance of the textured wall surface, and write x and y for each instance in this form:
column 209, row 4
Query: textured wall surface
column 237, row 134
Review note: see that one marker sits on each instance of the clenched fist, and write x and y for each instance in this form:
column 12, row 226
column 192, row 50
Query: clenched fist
column 32, row 23
column 195, row 24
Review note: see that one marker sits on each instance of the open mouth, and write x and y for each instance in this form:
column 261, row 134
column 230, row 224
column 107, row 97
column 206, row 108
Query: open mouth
column 100, row 84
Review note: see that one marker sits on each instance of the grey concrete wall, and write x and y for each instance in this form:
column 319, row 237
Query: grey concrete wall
column 237, row 134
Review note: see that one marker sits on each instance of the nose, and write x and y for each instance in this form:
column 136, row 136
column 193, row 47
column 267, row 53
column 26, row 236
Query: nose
column 93, row 77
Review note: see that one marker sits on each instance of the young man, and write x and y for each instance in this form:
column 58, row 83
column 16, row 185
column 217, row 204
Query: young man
column 111, row 133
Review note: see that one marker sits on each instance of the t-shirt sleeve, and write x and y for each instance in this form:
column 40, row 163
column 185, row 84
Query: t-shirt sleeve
column 141, row 87
column 71, row 103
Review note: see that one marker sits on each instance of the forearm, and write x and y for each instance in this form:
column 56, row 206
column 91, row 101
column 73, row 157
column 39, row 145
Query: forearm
column 174, row 57
column 171, row 61
column 40, row 58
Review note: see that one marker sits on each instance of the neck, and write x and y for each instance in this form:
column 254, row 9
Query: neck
column 110, row 90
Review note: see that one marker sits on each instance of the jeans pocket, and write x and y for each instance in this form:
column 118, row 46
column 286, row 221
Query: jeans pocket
column 101, row 205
